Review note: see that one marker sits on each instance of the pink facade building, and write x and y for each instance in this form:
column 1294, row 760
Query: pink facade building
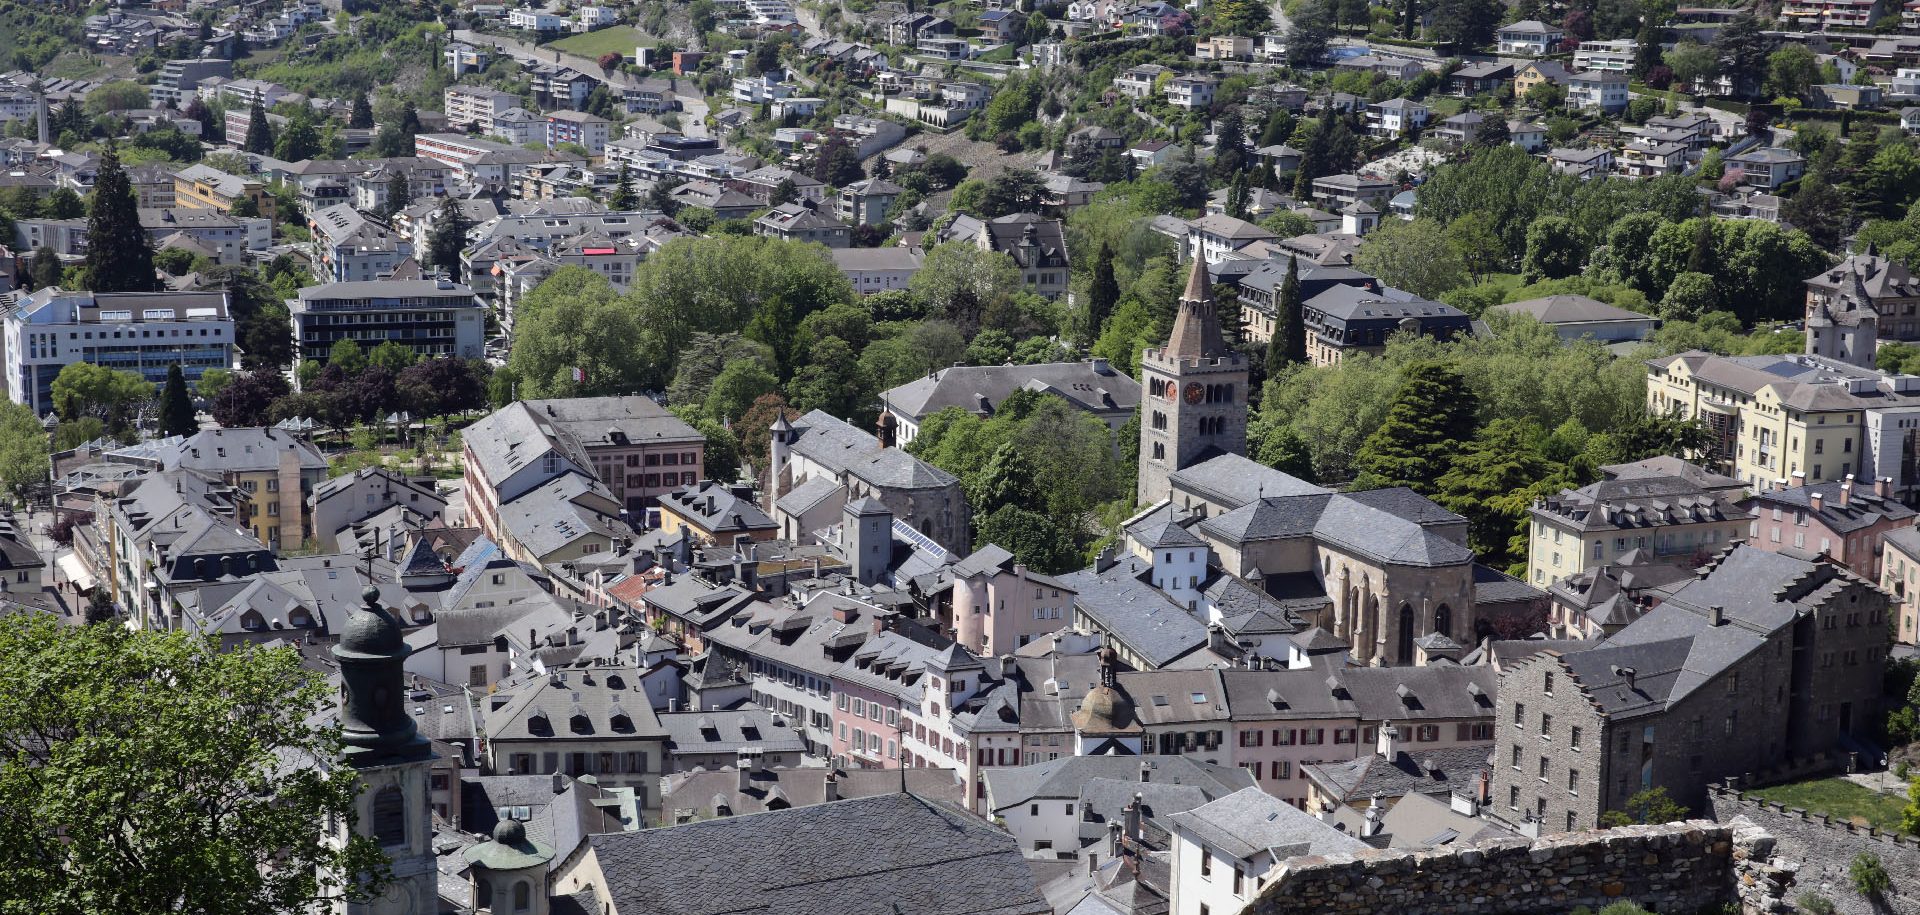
column 1845, row 520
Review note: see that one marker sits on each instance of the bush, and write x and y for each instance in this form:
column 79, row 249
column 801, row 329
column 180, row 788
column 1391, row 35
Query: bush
column 1815, row 904
column 1869, row 877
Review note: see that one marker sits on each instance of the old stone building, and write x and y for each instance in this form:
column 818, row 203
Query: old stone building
column 1763, row 657
column 1859, row 300
column 1194, row 404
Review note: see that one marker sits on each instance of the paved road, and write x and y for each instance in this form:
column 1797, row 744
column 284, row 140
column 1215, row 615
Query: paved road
column 693, row 118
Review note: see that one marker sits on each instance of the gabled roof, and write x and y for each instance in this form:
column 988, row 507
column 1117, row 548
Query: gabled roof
column 1250, row 821
column 914, row 855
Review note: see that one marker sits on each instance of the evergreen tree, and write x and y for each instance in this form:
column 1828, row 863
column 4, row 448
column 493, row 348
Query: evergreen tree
column 1491, row 483
column 783, row 193
column 362, row 116
column 1700, row 257
column 46, row 267
column 1288, row 346
column 1103, row 294
column 1230, row 145
column 623, row 197
column 881, row 167
column 399, row 194
column 449, row 237
column 259, row 131
column 1237, row 196
column 660, row 195
column 120, row 257
column 176, row 408
column 1431, row 417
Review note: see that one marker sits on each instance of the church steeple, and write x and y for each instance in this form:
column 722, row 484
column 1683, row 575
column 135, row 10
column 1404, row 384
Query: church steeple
column 1196, row 327
column 375, row 728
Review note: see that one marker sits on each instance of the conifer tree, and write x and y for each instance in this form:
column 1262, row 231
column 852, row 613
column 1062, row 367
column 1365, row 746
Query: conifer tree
column 1103, row 295
column 623, row 197
column 399, row 194
column 259, row 131
column 362, row 116
column 119, row 255
column 176, row 408
column 47, row 270
column 449, row 237
column 1288, row 345
column 1431, row 418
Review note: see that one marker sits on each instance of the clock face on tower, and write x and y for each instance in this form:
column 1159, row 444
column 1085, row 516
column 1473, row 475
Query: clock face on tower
column 1195, row 392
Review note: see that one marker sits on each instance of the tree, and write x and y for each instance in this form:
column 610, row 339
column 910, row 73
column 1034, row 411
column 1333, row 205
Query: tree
column 1820, row 210
column 1016, row 190
column 119, row 254
column 1241, row 17
column 399, row 194
column 300, row 141
column 143, row 763
column 1230, row 145
column 1742, row 48
column 63, row 203
column 176, row 407
column 1431, row 417
column 1032, row 537
column 737, row 387
column 1308, row 33
column 1288, row 345
column 1792, row 71
column 110, row 395
column 393, row 356
column 1480, row 250
column 119, row 95
column 442, row 387
column 660, row 195
column 1466, row 23
column 260, row 139
column 1492, row 132
column 1692, row 63
column 1690, row 296
column 348, row 356
column 623, row 196
column 962, row 284
column 1555, row 249
column 361, row 117
column 23, row 447
column 783, row 193
column 1103, row 293
column 583, row 327
column 1491, row 484
column 1415, row 256
column 47, row 270
column 449, row 237
column 1647, row 807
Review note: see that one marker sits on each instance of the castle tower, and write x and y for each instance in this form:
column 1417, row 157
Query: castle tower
column 390, row 756
column 1195, row 387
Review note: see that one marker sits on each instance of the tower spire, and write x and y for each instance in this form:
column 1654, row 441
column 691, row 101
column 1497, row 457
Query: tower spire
column 1196, row 328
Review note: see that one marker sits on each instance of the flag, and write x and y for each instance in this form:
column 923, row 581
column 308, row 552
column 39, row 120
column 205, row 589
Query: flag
column 579, row 377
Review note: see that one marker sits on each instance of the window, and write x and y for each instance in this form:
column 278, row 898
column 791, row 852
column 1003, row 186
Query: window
column 1573, row 737
column 1573, row 781
column 1543, row 768
column 390, row 817
column 1519, row 714
column 1206, row 863
column 1546, row 725
column 1547, row 683
column 1516, row 757
column 1513, row 797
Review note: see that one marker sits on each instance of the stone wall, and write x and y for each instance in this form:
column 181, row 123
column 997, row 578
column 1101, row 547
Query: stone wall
column 1822, row 851
column 1677, row 867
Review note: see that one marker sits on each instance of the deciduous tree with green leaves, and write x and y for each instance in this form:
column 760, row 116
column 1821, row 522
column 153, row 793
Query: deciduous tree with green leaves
column 151, row 772
column 23, row 448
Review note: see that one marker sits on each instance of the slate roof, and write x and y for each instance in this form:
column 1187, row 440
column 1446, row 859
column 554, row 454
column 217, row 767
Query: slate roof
column 1862, row 510
column 604, row 695
column 696, row 792
column 893, row 853
column 1234, row 480
column 1639, row 503
column 1139, row 615
column 1421, row 771
column 1387, row 536
column 240, row 450
column 1251, row 821
column 709, row 732
column 1060, row 779
column 838, row 446
column 979, row 389
column 1571, row 309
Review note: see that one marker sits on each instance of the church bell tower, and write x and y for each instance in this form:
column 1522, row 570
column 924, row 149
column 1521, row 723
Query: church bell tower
column 386, row 750
column 1194, row 403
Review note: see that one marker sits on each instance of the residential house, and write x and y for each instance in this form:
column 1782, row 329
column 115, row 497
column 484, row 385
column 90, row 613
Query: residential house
column 580, row 721
column 1396, row 117
column 630, row 444
column 1614, row 56
column 1479, row 77
column 1768, row 167
column 1037, row 246
column 1585, row 164
column 276, row 471
column 1844, row 522
column 1191, row 91
column 1529, row 37
column 433, row 318
column 1647, row 516
column 876, row 270
column 204, row 187
column 802, row 223
column 1225, row 851
column 1094, row 386
column 1348, row 319
column 579, row 128
column 1604, row 90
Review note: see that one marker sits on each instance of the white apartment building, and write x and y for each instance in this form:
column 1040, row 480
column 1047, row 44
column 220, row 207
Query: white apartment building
column 1612, row 56
column 140, row 332
column 477, row 106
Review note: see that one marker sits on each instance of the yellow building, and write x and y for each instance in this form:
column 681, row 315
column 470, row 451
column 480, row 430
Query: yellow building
column 274, row 469
column 1783, row 418
column 202, row 187
column 1533, row 74
column 1662, row 510
column 1900, row 576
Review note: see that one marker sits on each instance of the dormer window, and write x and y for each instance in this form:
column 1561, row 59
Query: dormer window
column 580, row 724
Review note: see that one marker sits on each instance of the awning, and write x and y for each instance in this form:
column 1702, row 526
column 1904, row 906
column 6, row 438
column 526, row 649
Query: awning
column 73, row 570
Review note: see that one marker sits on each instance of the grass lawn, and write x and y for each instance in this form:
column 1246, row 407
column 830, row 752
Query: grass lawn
column 617, row 38
column 1840, row 799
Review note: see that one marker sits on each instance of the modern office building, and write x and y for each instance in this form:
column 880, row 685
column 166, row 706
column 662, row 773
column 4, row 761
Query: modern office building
column 434, row 317
column 139, row 332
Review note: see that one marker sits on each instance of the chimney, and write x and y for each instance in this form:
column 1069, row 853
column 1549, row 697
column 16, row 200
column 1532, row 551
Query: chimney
column 1113, row 841
column 1817, row 501
column 743, row 767
column 1389, row 742
column 1105, row 560
column 1883, row 487
column 1624, row 673
column 1374, row 816
column 1716, row 615
column 833, row 786
column 1846, row 491
column 559, row 783
column 1217, row 640
column 1132, row 814
column 1798, row 478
